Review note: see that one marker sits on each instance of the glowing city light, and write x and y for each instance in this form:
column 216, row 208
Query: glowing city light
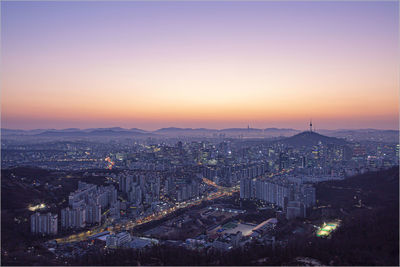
column 37, row 207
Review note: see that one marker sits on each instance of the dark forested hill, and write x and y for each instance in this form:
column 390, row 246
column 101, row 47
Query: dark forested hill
column 310, row 139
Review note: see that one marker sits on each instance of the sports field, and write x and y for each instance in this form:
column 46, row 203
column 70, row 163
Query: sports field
column 233, row 227
column 327, row 228
column 229, row 225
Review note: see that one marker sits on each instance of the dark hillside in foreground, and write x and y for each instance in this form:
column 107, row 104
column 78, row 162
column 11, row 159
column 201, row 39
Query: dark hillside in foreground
column 375, row 189
column 22, row 187
column 368, row 235
column 369, row 208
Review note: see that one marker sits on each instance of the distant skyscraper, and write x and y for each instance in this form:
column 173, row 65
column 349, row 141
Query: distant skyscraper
column 283, row 161
column 309, row 196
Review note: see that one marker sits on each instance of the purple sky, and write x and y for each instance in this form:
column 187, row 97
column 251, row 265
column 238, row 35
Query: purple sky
column 200, row 64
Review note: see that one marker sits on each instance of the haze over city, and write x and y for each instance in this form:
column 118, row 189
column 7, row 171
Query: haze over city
column 191, row 64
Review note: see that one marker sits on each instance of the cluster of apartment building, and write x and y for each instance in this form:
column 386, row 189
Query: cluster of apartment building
column 292, row 197
column 140, row 188
column 231, row 174
column 187, row 191
column 86, row 205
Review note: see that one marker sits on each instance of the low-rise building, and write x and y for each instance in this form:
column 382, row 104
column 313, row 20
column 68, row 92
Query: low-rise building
column 117, row 240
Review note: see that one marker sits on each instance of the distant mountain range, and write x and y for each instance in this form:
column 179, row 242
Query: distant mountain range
column 162, row 131
column 92, row 133
column 359, row 134
column 76, row 132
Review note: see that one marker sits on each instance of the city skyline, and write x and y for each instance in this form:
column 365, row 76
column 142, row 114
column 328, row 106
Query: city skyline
column 196, row 65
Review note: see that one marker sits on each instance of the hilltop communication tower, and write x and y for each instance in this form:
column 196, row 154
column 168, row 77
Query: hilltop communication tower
column 310, row 126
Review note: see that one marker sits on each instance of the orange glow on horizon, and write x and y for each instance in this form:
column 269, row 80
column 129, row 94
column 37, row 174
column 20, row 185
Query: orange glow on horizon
column 281, row 65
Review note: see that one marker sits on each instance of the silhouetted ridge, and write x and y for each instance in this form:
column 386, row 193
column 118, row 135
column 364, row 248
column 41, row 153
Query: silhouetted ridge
column 310, row 139
column 98, row 132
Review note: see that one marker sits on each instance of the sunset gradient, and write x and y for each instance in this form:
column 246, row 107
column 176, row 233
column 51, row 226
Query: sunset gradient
column 199, row 64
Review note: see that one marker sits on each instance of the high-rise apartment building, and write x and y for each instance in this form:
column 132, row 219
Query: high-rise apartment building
column 44, row 223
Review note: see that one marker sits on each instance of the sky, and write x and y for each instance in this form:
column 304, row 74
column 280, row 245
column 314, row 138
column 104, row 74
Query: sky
column 200, row 64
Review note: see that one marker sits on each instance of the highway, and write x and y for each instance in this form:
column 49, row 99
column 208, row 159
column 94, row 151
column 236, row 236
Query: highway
column 222, row 192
